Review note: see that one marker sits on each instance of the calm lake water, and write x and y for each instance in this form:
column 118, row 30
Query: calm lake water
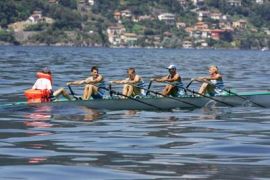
column 79, row 143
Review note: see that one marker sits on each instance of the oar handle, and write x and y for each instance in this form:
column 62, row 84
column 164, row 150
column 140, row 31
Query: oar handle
column 148, row 88
column 110, row 90
column 192, row 80
column 72, row 92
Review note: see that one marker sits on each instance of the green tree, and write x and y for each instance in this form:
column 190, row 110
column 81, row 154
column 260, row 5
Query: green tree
column 7, row 36
column 72, row 4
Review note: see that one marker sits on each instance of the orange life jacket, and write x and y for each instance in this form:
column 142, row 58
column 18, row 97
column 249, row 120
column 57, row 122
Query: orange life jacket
column 37, row 95
column 43, row 75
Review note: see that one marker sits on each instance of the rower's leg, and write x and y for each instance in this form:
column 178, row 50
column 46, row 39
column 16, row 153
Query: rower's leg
column 92, row 90
column 85, row 92
column 130, row 90
column 166, row 91
column 125, row 89
column 203, row 88
column 89, row 93
column 61, row 91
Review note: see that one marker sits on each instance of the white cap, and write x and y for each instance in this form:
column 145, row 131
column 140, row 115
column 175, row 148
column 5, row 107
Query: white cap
column 171, row 66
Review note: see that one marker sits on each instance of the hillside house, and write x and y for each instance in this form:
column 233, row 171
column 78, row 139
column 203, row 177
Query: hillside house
column 189, row 30
column 117, row 15
column 126, row 13
column 198, row 2
column 216, row 15
column 202, row 15
column 187, row 44
column 115, row 33
column 35, row 17
column 216, row 33
column 225, row 25
column 91, row 2
column 53, row 1
column 201, row 26
column 167, row 18
column 205, row 33
column 240, row 24
column 145, row 17
column 129, row 38
column 180, row 25
column 259, row 1
column 182, row 2
column 234, row 2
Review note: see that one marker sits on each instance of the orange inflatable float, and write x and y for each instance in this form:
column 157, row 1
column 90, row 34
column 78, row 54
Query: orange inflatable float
column 36, row 95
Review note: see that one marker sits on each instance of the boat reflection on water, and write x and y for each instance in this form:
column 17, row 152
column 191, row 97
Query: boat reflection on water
column 91, row 114
column 36, row 160
column 131, row 112
column 40, row 117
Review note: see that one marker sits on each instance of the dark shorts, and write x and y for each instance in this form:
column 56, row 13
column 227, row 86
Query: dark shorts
column 97, row 96
column 174, row 92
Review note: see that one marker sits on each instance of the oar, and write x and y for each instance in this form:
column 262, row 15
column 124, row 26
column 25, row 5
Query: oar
column 72, row 92
column 189, row 83
column 194, row 92
column 242, row 97
column 209, row 97
column 148, row 88
column 237, row 95
column 129, row 97
column 174, row 98
column 110, row 90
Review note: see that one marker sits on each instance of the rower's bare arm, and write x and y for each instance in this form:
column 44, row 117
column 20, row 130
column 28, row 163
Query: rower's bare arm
column 136, row 80
column 175, row 78
column 202, row 79
column 163, row 79
column 97, row 80
column 119, row 81
column 76, row 82
column 215, row 77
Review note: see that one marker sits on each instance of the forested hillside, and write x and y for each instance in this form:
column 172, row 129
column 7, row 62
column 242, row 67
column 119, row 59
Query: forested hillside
column 137, row 23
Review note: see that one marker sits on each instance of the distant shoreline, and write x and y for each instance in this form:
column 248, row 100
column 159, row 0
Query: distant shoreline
column 83, row 46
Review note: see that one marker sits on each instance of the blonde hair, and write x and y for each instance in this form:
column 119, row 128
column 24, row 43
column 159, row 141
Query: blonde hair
column 215, row 68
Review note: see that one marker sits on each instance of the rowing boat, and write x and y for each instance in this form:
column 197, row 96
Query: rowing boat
column 168, row 103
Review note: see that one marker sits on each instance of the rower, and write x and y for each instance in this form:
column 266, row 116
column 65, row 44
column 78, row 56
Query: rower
column 213, row 84
column 94, row 85
column 42, row 89
column 175, row 86
column 133, row 85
